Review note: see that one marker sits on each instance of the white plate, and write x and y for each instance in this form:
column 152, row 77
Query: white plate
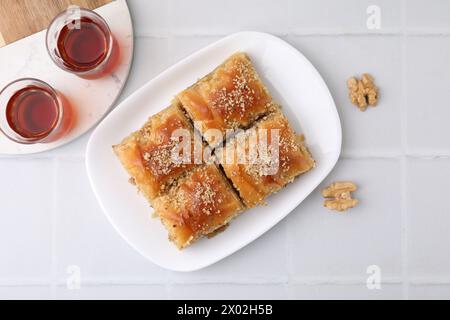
column 293, row 82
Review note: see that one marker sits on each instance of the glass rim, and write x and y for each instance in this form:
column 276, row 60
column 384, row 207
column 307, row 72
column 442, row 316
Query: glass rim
column 22, row 83
column 62, row 65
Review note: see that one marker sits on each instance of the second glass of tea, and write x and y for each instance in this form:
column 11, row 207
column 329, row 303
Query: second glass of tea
column 31, row 111
column 80, row 41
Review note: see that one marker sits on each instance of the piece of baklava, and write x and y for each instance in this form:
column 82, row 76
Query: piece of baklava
column 153, row 156
column 230, row 97
column 265, row 158
column 199, row 203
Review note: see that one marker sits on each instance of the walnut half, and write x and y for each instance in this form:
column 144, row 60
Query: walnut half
column 338, row 196
column 362, row 92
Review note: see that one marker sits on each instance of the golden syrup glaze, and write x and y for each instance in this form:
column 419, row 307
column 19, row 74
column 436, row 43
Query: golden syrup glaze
column 231, row 97
column 147, row 153
column 294, row 159
column 201, row 202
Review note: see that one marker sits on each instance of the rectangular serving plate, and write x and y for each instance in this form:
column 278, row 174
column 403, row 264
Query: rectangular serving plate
column 293, row 82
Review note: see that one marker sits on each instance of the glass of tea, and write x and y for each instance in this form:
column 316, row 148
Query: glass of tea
column 79, row 41
column 31, row 111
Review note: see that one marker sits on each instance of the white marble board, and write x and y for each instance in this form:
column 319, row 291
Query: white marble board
column 90, row 99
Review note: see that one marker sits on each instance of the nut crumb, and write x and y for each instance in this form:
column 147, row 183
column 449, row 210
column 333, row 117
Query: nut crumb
column 338, row 196
column 363, row 92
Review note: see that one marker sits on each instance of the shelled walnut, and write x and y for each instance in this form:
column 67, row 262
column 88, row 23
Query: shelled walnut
column 363, row 92
column 338, row 196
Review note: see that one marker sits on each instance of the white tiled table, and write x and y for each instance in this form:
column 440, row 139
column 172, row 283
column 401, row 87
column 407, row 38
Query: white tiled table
column 398, row 153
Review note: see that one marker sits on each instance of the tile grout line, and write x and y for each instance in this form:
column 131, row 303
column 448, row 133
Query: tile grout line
column 341, row 280
column 403, row 160
column 53, row 281
column 170, row 34
column 305, row 281
column 290, row 269
column 300, row 33
column 288, row 247
column 289, row 255
column 168, row 282
column 404, row 226
column 290, row 24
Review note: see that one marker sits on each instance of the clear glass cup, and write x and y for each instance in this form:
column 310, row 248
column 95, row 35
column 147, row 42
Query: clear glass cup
column 80, row 41
column 31, row 111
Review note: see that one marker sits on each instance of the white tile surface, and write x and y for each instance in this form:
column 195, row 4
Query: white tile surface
column 428, row 185
column 117, row 292
column 27, row 196
column 329, row 245
column 344, row 292
column 377, row 130
column 221, row 17
column 25, row 292
column 150, row 18
column 433, row 15
column 348, row 16
column 429, row 292
column 151, row 57
column 264, row 260
column 85, row 239
column 228, row 291
column 77, row 148
column 314, row 253
column 428, row 76
column 182, row 46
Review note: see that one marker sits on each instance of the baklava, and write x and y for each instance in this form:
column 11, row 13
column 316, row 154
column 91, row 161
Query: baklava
column 148, row 154
column 197, row 198
column 199, row 203
column 231, row 97
column 264, row 171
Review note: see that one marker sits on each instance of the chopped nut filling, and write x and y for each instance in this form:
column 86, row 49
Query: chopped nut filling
column 217, row 231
